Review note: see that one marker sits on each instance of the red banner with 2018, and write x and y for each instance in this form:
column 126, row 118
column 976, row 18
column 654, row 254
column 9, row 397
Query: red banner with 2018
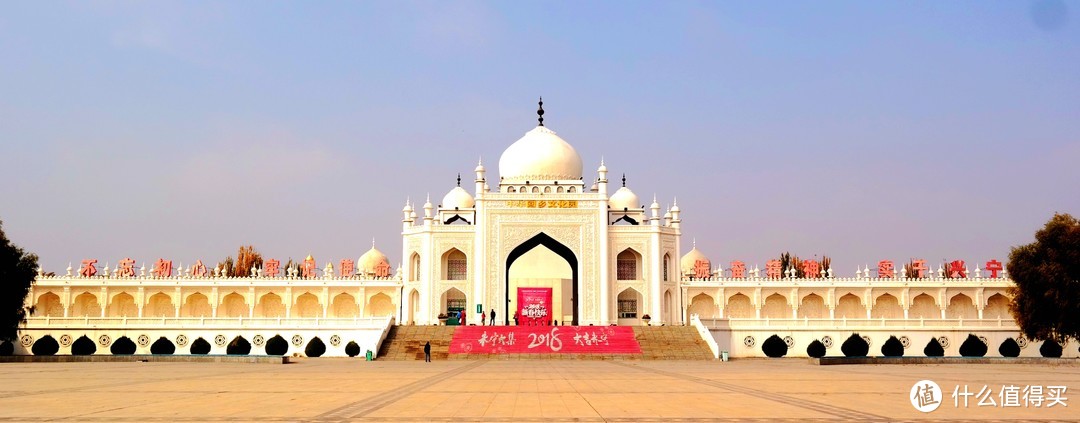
column 544, row 340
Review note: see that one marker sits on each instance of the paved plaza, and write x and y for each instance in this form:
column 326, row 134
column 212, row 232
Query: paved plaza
column 553, row 390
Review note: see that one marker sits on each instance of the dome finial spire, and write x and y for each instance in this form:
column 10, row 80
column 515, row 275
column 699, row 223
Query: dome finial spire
column 624, row 179
column 540, row 111
column 459, row 179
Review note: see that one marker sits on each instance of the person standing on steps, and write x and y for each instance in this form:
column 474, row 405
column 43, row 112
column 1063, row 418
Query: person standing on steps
column 483, row 318
column 492, row 317
column 427, row 352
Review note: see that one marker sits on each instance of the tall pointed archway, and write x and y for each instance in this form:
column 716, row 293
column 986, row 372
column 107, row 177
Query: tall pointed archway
column 542, row 239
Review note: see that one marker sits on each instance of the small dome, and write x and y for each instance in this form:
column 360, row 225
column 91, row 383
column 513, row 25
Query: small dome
column 689, row 260
column 458, row 198
column 623, row 198
column 371, row 260
column 540, row 155
column 309, row 258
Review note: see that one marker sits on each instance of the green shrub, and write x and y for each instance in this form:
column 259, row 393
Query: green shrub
column 83, row 346
column 277, row 346
column 1009, row 348
column 352, row 349
column 238, row 346
column 200, row 347
column 973, row 347
column 48, row 346
column 933, row 349
column 774, row 347
column 162, row 346
column 1049, row 349
column 816, row 349
column 6, row 348
column 892, row 348
column 315, row 347
column 123, row 346
column 855, row 346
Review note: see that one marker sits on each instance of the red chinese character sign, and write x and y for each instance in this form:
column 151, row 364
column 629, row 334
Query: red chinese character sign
column 773, row 269
column 738, row 269
column 347, row 268
column 87, row 270
column 919, row 267
column 534, row 306
column 126, row 268
column 382, row 270
column 957, row 270
column 811, row 269
column 885, row 269
column 199, row 269
column 702, row 269
column 272, row 268
column 162, row 268
column 994, row 267
column 544, row 340
column 308, row 269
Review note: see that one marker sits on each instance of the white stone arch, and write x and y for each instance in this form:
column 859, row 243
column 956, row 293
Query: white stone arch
column 380, row 305
column 85, row 305
column 159, row 305
column 740, row 306
column 628, row 265
column 123, row 304
column 776, row 306
column 997, row 307
column 48, row 304
column 667, row 267
column 961, row 306
column 850, row 306
column 630, row 304
column 233, row 305
column 812, row 306
column 668, row 306
column 196, row 304
column 344, row 306
column 414, row 304
column 307, row 306
column 454, row 265
column 270, row 306
column 887, row 306
column 451, row 296
column 704, row 305
column 923, row 306
column 414, row 266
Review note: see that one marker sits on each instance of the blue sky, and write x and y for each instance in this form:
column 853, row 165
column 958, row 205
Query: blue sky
column 859, row 130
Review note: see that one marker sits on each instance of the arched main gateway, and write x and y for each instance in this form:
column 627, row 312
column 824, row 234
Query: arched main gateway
column 611, row 241
column 543, row 240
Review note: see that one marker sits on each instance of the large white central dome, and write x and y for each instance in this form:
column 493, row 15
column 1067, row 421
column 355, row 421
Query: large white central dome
column 539, row 156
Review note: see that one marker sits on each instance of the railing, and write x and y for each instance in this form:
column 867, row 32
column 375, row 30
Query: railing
column 202, row 322
column 857, row 323
column 705, row 334
column 713, row 282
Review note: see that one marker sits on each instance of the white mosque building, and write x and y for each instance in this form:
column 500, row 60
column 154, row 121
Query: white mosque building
column 607, row 258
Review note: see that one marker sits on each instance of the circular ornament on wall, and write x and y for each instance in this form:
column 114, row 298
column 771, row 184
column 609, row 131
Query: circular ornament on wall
column 144, row 340
column 789, row 341
column 944, row 341
column 26, row 340
column 335, row 340
column 826, row 341
column 181, row 340
column 104, row 340
column 1022, row 341
column 258, row 340
column 220, row 340
column 868, row 341
column 65, row 340
column 297, row 340
column 748, row 341
column 905, row 341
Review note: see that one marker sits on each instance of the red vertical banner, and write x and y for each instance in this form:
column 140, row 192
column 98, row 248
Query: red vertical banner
column 534, row 306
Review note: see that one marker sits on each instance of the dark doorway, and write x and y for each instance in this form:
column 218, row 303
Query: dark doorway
column 556, row 247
